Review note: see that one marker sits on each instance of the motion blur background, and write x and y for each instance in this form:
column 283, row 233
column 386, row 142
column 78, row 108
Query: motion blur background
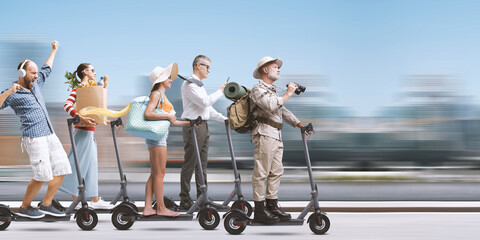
column 391, row 85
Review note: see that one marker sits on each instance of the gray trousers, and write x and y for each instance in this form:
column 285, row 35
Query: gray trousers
column 190, row 159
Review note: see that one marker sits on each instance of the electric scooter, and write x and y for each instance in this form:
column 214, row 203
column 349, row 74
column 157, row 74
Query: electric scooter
column 86, row 217
column 126, row 213
column 240, row 204
column 236, row 221
column 123, row 180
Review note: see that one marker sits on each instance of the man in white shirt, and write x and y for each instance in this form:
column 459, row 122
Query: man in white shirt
column 196, row 102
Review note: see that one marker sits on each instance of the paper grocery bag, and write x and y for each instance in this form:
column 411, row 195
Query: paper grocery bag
column 94, row 96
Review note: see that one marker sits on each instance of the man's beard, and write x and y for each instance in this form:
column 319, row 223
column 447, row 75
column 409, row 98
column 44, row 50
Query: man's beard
column 273, row 76
column 27, row 83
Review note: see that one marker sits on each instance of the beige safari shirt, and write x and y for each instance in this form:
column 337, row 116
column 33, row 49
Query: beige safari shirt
column 270, row 105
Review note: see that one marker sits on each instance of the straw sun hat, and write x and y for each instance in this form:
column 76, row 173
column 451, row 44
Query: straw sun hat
column 160, row 74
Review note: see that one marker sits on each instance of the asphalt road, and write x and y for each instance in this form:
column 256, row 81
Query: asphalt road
column 344, row 226
column 328, row 191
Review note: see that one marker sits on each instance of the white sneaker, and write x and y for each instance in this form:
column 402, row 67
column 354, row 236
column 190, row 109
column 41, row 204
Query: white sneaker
column 100, row 204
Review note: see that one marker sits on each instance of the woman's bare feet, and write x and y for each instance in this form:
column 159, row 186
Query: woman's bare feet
column 167, row 212
column 149, row 212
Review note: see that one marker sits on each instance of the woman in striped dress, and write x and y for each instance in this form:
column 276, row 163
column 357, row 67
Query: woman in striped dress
column 85, row 143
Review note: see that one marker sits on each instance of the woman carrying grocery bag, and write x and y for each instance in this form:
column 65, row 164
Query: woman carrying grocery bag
column 84, row 134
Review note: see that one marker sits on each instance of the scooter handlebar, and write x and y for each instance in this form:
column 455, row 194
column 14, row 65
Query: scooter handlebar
column 308, row 128
column 117, row 122
column 75, row 120
column 197, row 121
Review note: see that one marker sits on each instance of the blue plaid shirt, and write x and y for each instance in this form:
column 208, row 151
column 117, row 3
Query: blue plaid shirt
column 30, row 107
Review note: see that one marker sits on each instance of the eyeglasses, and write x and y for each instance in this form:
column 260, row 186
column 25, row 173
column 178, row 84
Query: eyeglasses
column 208, row 67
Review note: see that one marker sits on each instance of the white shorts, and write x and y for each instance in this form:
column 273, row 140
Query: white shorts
column 47, row 157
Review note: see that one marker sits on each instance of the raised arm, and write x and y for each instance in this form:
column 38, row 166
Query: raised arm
column 51, row 57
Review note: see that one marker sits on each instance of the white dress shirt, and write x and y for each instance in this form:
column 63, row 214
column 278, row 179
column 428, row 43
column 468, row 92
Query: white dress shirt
column 196, row 102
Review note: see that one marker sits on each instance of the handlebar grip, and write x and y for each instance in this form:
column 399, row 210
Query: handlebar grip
column 308, row 128
column 197, row 121
column 117, row 122
column 75, row 120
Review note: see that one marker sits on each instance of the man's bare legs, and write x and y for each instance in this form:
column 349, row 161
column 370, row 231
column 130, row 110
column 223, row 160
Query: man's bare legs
column 32, row 189
column 53, row 186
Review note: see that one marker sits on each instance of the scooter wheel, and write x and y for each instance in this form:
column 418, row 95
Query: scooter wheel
column 209, row 218
column 235, row 223
column 319, row 223
column 154, row 204
column 134, row 207
column 243, row 206
column 4, row 218
column 122, row 218
column 87, row 219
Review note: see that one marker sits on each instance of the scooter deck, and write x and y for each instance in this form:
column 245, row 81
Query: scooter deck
column 181, row 217
column 47, row 218
column 290, row 222
column 223, row 209
column 97, row 210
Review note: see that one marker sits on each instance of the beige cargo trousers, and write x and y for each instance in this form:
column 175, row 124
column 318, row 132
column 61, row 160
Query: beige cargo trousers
column 268, row 167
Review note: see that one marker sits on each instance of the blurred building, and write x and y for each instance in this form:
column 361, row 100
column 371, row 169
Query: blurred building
column 433, row 121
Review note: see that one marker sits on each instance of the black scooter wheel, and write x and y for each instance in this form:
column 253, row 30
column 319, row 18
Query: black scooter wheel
column 209, row 218
column 4, row 218
column 319, row 223
column 235, row 223
column 122, row 218
column 169, row 203
column 87, row 219
column 243, row 206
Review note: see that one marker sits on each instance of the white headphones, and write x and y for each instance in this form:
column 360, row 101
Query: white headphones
column 21, row 72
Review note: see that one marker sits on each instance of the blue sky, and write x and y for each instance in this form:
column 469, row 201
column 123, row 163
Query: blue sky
column 364, row 48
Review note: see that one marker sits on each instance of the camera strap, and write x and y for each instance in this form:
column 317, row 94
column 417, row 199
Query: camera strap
column 279, row 87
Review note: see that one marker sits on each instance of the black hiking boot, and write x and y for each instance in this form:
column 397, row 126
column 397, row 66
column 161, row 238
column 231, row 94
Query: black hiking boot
column 272, row 206
column 262, row 215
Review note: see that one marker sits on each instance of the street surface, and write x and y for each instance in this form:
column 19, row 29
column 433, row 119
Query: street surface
column 344, row 226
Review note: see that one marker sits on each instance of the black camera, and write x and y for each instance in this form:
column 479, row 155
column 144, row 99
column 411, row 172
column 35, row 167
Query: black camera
column 300, row 89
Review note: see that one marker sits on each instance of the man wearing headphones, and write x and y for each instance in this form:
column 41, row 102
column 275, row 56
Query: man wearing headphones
column 48, row 159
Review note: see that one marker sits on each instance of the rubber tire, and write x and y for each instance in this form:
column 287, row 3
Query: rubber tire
column 243, row 206
column 209, row 218
column 87, row 219
column 154, row 204
column 229, row 223
column 4, row 213
column 116, row 218
column 316, row 226
column 131, row 204
column 58, row 205
column 169, row 203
